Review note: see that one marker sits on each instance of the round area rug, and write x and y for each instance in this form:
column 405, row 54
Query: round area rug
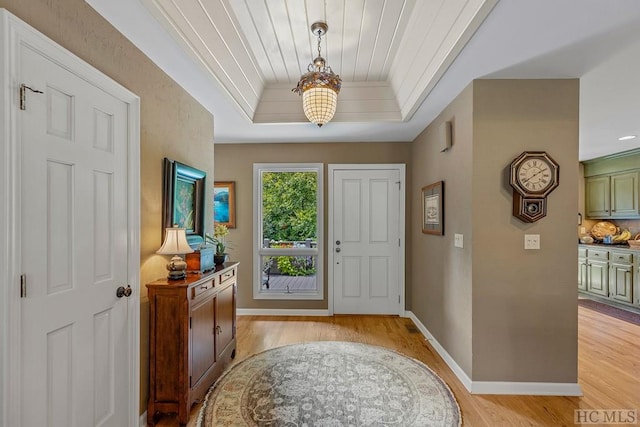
column 330, row 384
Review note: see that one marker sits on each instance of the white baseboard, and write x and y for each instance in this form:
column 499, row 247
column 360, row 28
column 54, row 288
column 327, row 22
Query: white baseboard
column 450, row 361
column 143, row 419
column 280, row 312
column 526, row 388
column 495, row 387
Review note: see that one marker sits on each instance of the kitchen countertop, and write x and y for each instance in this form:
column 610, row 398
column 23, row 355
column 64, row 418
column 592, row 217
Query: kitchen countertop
column 623, row 248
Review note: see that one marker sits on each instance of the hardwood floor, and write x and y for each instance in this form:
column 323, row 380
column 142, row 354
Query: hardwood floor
column 608, row 364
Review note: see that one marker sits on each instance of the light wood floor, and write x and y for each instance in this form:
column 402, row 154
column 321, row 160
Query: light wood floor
column 609, row 364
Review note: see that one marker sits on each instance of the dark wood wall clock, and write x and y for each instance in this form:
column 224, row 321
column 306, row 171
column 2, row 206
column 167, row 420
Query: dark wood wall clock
column 534, row 175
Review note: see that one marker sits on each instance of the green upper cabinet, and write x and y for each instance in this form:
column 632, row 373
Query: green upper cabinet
column 611, row 186
column 597, row 197
column 613, row 196
column 624, row 195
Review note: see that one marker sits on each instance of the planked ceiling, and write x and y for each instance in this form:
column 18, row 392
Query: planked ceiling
column 361, row 43
column 389, row 53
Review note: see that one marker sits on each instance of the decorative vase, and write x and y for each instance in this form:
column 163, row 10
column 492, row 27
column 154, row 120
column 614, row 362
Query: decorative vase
column 219, row 259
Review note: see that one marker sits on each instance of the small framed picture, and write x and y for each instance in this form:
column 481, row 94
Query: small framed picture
column 224, row 203
column 433, row 208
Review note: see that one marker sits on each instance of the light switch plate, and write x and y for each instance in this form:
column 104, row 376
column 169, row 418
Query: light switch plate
column 458, row 240
column 532, row 241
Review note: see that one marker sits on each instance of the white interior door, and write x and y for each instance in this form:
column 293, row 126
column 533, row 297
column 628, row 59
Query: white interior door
column 366, row 239
column 76, row 226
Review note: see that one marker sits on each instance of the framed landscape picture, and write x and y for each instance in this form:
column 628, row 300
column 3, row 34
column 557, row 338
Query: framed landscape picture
column 433, row 208
column 224, row 203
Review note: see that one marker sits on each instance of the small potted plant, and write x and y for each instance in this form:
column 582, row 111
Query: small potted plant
column 218, row 241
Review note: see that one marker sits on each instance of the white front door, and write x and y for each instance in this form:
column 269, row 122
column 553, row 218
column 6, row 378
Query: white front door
column 75, row 333
column 366, row 227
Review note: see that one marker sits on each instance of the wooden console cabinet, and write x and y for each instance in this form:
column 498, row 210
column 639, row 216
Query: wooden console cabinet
column 192, row 338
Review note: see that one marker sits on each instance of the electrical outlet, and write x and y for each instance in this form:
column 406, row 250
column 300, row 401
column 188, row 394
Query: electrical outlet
column 458, row 240
column 532, row 241
column 583, row 230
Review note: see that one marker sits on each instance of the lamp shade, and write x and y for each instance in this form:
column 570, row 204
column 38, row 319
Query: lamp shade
column 319, row 104
column 175, row 242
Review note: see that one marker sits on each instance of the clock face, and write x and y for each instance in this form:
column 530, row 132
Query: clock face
column 535, row 175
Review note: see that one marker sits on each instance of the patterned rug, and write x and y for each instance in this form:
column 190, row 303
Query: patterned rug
column 618, row 313
column 330, row 384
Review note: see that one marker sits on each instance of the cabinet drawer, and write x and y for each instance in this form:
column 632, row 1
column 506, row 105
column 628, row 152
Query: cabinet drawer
column 621, row 257
column 200, row 289
column 598, row 254
column 582, row 252
column 226, row 276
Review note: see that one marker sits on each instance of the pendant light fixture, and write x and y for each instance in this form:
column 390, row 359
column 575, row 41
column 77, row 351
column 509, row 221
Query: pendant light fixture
column 320, row 86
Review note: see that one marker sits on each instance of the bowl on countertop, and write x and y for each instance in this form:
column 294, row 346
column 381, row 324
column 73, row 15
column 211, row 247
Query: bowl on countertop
column 603, row 229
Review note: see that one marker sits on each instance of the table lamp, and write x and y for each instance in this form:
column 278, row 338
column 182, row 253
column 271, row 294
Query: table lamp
column 175, row 243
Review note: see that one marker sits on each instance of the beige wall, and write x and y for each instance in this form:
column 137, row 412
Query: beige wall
column 503, row 313
column 524, row 301
column 441, row 289
column 234, row 162
column 173, row 124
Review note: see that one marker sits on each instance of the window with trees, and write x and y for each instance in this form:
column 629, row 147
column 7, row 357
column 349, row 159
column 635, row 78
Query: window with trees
column 288, row 231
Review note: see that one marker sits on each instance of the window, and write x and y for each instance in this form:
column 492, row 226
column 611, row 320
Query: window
column 288, row 231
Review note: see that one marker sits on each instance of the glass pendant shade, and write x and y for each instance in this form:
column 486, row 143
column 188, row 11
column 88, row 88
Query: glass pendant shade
column 320, row 86
column 319, row 104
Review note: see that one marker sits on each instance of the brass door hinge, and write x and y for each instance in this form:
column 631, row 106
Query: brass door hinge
column 23, row 90
column 23, row 286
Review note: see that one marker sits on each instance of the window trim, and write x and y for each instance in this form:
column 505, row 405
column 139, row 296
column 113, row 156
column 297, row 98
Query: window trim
column 258, row 251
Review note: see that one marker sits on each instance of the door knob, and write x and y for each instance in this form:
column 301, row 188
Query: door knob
column 337, row 242
column 337, row 249
column 123, row 292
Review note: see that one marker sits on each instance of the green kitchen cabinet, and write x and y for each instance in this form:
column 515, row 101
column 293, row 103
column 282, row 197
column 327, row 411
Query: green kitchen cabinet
column 597, row 197
column 595, row 276
column 621, row 276
column 582, row 269
column 598, row 278
column 624, row 195
column 612, row 274
column 613, row 196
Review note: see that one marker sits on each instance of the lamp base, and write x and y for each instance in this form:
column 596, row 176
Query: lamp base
column 176, row 275
column 177, row 268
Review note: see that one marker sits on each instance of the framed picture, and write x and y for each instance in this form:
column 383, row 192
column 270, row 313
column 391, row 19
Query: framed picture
column 433, row 208
column 224, row 203
column 183, row 197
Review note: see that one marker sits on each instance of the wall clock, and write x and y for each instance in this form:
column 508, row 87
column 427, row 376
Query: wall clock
column 534, row 175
